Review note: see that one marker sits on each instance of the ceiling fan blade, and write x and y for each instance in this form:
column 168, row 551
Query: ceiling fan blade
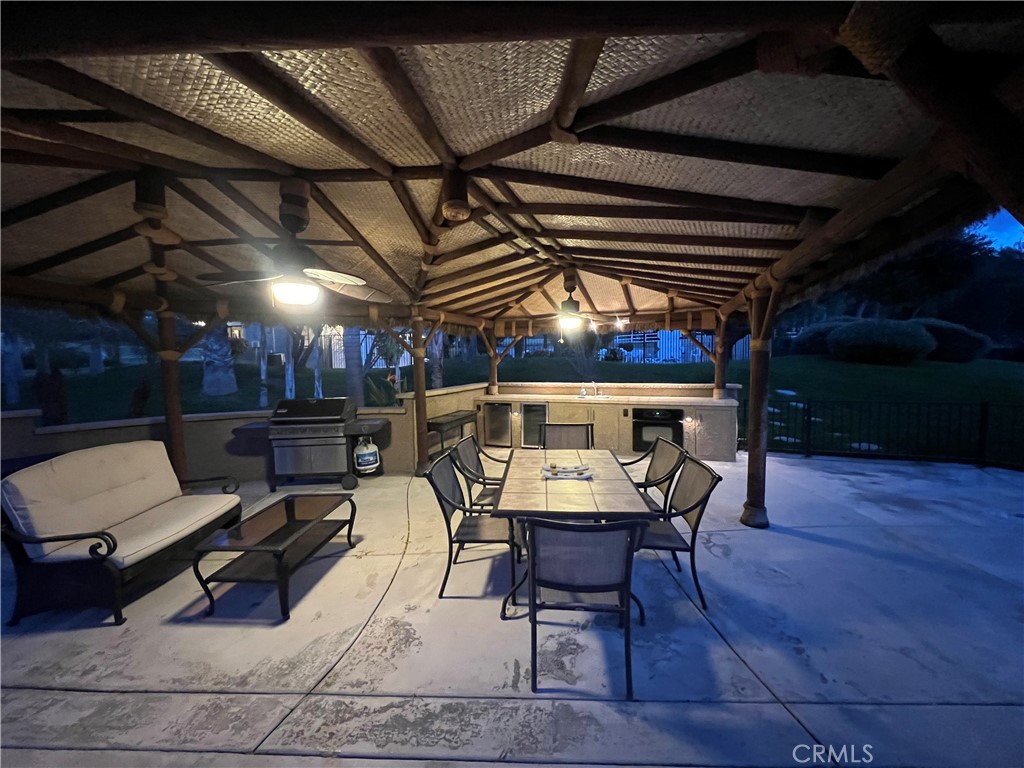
column 361, row 292
column 230, row 278
column 329, row 276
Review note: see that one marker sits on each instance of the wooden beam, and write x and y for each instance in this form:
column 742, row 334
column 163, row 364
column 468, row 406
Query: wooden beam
column 494, row 299
column 716, row 69
column 66, row 196
column 644, row 212
column 73, row 157
column 469, row 250
column 583, row 56
column 499, row 280
column 461, row 274
column 696, row 273
column 899, row 188
column 342, row 221
column 63, row 134
column 197, row 251
column 513, row 199
column 235, row 196
column 832, row 163
column 706, row 241
column 698, row 343
column 724, row 287
column 112, row 31
column 121, row 277
column 271, row 82
column 389, row 71
column 68, row 293
column 755, row 262
column 976, row 123
column 70, row 81
column 534, row 137
column 428, row 313
column 705, row 299
column 533, row 274
column 629, row 299
column 782, row 212
column 218, row 242
column 478, row 192
column 68, row 115
column 517, row 301
column 218, row 216
column 586, row 295
column 71, row 254
column 402, row 193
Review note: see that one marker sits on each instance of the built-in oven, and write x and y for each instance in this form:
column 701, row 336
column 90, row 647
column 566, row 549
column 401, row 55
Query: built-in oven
column 651, row 423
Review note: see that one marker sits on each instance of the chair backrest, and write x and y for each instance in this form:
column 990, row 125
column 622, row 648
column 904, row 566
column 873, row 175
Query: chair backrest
column 582, row 557
column 693, row 486
column 447, row 489
column 664, row 463
column 467, row 453
column 567, row 436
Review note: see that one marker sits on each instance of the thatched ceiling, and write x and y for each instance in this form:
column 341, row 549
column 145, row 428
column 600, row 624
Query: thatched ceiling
column 671, row 153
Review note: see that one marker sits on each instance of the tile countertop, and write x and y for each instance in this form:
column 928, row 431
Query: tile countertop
column 709, row 402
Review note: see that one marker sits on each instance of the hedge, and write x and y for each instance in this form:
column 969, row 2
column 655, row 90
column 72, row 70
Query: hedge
column 882, row 342
column 813, row 340
column 956, row 343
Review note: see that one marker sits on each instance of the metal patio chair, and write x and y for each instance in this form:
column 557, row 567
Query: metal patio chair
column 687, row 500
column 665, row 459
column 467, row 457
column 472, row 528
column 582, row 567
column 567, row 436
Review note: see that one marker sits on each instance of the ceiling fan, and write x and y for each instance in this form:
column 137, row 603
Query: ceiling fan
column 295, row 279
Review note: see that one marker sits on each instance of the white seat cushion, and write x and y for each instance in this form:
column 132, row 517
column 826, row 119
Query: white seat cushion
column 155, row 529
column 88, row 490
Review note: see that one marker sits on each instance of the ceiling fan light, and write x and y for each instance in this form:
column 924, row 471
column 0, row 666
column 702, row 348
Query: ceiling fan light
column 570, row 323
column 295, row 292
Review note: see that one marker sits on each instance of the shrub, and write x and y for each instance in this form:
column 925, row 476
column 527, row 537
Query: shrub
column 813, row 340
column 956, row 343
column 883, row 342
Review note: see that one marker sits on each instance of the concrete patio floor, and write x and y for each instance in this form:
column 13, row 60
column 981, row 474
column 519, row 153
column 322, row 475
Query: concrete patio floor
column 881, row 614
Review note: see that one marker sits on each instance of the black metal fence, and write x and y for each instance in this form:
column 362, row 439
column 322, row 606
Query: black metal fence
column 977, row 433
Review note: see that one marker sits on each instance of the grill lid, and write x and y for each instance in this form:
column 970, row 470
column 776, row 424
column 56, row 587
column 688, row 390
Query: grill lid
column 329, row 409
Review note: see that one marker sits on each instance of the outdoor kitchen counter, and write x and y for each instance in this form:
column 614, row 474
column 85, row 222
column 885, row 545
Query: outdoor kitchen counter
column 639, row 400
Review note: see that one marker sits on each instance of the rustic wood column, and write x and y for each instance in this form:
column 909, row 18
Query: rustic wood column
column 170, row 373
column 491, row 342
column 419, row 379
column 761, row 308
column 723, row 354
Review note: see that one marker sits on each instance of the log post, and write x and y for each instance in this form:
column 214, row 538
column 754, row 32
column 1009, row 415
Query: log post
column 723, row 354
column 419, row 379
column 754, row 512
column 491, row 342
column 170, row 373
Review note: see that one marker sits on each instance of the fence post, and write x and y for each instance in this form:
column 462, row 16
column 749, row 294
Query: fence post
column 983, row 423
column 807, row 428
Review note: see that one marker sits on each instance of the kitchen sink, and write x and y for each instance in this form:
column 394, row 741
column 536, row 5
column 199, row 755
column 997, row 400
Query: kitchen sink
column 595, row 397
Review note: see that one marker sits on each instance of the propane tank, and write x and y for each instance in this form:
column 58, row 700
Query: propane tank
column 367, row 456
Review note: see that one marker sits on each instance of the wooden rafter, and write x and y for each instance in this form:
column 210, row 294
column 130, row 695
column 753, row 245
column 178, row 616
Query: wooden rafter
column 68, row 115
column 491, row 287
column 217, row 242
column 20, row 150
column 275, row 85
column 675, row 270
column 67, row 80
column 513, row 200
column 233, row 194
column 671, row 258
column 782, row 212
column 461, row 274
column 469, row 250
column 833, row 163
column 726, row 287
column 499, row 280
column 197, row 200
column 121, row 277
column 495, row 300
column 627, row 297
column 707, row 241
column 71, row 254
column 66, row 196
column 485, row 200
column 405, row 199
column 642, row 212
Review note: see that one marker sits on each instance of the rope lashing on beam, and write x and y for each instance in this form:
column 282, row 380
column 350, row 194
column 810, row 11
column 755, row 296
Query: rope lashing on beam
column 117, row 302
column 222, row 309
column 878, row 33
column 160, row 272
column 171, row 355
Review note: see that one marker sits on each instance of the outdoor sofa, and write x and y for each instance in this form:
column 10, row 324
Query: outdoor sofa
column 81, row 526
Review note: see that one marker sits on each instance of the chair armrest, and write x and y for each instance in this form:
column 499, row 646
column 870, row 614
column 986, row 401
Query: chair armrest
column 637, row 460
column 472, row 474
column 230, row 485
column 493, row 458
column 106, row 539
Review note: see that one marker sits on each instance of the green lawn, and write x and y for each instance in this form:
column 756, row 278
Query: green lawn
column 108, row 396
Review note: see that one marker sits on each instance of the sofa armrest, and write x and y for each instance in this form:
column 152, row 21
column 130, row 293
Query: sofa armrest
column 230, row 483
column 106, row 540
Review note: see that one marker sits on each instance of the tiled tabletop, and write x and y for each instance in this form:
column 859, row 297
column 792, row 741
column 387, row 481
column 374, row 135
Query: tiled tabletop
column 608, row 494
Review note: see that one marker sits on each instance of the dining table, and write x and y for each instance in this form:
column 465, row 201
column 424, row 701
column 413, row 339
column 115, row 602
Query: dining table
column 567, row 485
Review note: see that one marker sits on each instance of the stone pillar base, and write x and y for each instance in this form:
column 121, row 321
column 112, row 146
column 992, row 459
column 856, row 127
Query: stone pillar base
column 755, row 517
column 720, row 394
column 492, row 389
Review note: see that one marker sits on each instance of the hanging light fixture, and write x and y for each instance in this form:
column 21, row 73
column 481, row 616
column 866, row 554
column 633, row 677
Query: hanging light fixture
column 295, row 290
column 569, row 316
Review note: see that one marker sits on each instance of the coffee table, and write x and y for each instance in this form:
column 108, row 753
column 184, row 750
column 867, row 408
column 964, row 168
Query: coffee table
column 275, row 541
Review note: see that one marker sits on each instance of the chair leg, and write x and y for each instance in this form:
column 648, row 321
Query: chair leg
column 458, row 552
column 533, row 644
column 676, row 558
column 629, row 655
column 643, row 614
column 447, row 570
column 696, row 581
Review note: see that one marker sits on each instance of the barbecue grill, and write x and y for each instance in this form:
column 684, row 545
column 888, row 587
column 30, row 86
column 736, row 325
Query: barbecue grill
column 309, row 442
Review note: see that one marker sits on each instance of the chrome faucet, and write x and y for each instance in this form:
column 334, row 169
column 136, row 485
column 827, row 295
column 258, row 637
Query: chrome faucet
column 594, row 385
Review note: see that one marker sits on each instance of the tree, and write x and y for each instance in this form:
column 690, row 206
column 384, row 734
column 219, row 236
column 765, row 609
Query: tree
column 352, row 344
column 218, row 364
column 436, row 354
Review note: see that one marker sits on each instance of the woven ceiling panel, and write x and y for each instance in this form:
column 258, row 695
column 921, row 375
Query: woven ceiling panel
column 20, row 93
column 1007, row 37
column 479, row 94
column 101, row 264
column 194, row 89
column 154, row 139
column 425, row 193
column 241, row 257
column 342, row 83
column 627, row 62
column 689, row 174
column 70, row 226
column 480, row 260
column 463, row 235
column 669, row 227
column 354, row 261
column 267, row 196
column 827, row 113
column 192, row 224
column 646, row 300
column 21, row 184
